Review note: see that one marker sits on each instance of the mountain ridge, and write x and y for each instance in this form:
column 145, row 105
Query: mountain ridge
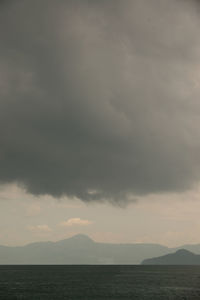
column 81, row 249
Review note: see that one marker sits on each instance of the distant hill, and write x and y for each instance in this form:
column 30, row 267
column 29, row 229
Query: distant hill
column 81, row 249
column 180, row 257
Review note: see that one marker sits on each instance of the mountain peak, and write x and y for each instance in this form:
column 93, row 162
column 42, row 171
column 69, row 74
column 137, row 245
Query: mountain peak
column 78, row 239
column 81, row 237
column 184, row 252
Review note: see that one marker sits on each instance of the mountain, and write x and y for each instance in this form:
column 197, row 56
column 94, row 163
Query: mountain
column 180, row 257
column 79, row 249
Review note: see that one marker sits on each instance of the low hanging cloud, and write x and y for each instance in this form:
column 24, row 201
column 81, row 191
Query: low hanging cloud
column 100, row 96
column 75, row 222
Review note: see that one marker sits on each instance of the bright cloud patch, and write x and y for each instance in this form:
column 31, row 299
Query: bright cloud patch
column 75, row 221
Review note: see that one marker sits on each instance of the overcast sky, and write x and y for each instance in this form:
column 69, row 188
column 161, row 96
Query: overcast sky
column 99, row 120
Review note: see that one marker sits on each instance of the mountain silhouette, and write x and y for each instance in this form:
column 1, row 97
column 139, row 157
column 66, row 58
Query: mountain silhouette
column 81, row 249
column 180, row 257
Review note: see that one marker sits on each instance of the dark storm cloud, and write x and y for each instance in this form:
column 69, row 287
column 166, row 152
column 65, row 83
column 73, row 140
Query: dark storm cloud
column 100, row 99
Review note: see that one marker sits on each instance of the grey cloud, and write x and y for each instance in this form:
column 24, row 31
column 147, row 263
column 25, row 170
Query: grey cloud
column 100, row 96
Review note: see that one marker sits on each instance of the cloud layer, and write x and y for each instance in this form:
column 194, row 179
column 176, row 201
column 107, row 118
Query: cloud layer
column 100, row 99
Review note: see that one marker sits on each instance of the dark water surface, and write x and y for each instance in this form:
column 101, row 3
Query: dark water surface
column 100, row 282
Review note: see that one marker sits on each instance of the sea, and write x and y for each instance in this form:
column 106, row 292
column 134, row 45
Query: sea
column 113, row 282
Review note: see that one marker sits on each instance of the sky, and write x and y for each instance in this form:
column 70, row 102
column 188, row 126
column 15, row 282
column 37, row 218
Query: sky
column 100, row 120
